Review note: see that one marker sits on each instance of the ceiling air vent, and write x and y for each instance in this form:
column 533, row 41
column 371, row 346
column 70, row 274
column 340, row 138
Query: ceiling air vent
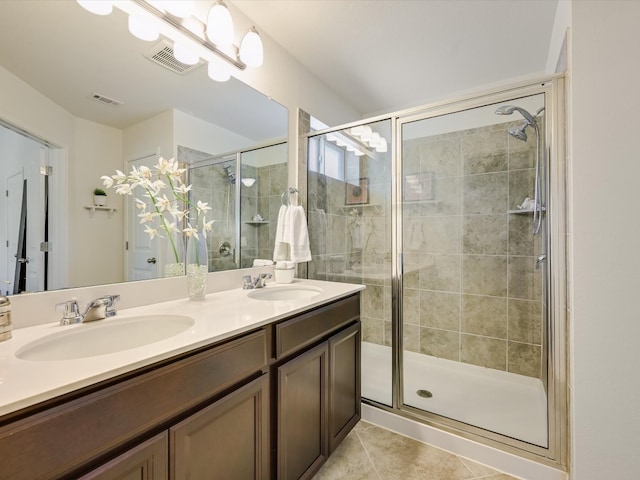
column 162, row 54
column 106, row 100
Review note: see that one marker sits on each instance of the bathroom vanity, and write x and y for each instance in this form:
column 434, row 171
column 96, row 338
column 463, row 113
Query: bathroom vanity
column 271, row 398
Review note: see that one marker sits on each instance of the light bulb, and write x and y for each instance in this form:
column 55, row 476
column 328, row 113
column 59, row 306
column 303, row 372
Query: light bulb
column 218, row 71
column 382, row 146
column 366, row 132
column 251, row 50
column 184, row 54
column 220, row 25
column 142, row 28
column 99, row 7
column 356, row 131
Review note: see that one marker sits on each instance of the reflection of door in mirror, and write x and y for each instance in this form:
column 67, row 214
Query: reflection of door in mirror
column 20, row 159
column 143, row 252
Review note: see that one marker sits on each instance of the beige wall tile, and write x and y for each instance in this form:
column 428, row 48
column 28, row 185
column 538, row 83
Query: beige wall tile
column 440, row 310
column 484, row 351
column 440, row 343
column 485, row 234
column 525, row 321
column 524, row 359
column 484, row 275
column 484, row 315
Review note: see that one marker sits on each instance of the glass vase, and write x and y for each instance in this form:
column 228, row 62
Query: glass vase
column 174, row 255
column 197, row 267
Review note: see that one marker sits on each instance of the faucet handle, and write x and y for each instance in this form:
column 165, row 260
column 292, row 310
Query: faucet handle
column 110, row 310
column 71, row 313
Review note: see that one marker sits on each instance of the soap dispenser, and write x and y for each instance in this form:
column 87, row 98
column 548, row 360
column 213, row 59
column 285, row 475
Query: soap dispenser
column 5, row 319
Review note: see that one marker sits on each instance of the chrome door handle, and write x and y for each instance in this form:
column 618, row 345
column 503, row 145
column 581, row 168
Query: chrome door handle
column 151, row 260
column 540, row 259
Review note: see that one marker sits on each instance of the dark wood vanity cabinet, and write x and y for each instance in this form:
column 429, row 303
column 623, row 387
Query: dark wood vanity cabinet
column 272, row 403
column 318, row 386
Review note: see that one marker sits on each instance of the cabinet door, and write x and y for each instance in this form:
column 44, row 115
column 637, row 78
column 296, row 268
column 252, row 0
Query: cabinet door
column 226, row 440
column 147, row 461
column 302, row 414
column 344, row 384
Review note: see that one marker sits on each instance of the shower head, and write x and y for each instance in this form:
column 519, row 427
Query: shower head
column 509, row 109
column 519, row 132
column 231, row 176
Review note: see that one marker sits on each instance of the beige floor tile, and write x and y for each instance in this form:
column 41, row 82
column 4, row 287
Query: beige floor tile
column 373, row 453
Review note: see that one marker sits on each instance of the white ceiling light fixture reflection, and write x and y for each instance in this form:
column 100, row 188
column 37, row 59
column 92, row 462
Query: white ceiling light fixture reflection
column 98, row 7
column 220, row 25
column 141, row 27
column 248, row 182
column 183, row 53
column 218, row 71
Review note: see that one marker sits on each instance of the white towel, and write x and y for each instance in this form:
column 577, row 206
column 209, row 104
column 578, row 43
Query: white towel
column 297, row 235
column 281, row 248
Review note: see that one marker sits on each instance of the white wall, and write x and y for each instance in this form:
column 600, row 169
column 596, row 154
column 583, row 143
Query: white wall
column 605, row 272
column 98, row 242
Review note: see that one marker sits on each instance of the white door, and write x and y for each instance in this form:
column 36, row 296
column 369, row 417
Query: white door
column 14, row 207
column 143, row 255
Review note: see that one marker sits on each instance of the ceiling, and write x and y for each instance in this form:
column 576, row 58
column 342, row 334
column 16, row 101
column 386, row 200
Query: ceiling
column 386, row 55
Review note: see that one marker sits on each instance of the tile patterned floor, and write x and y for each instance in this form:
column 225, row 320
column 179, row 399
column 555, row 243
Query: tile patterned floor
column 373, row 453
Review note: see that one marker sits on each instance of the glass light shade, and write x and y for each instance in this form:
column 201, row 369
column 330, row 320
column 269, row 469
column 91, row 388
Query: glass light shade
column 356, row 131
column 178, row 8
column 366, row 132
column 251, row 50
column 248, row 182
column 220, row 25
column 184, row 54
column 382, row 146
column 143, row 29
column 218, row 72
column 99, row 7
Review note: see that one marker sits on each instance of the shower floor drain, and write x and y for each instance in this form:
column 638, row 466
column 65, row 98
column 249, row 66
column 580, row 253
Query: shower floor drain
column 424, row 393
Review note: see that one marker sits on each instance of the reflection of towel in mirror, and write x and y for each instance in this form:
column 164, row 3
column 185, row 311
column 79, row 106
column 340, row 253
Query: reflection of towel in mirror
column 281, row 249
column 292, row 236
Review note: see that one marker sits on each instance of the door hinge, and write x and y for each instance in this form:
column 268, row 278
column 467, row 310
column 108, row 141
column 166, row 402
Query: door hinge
column 46, row 170
column 45, row 246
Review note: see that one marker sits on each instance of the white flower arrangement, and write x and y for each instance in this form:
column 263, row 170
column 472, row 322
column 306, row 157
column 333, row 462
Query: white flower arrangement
column 161, row 213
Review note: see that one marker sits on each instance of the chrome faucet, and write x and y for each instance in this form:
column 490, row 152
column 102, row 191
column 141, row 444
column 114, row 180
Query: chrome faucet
column 101, row 307
column 249, row 282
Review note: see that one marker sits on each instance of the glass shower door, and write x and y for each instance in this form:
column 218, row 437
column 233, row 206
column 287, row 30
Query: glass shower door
column 349, row 216
column 473, row 270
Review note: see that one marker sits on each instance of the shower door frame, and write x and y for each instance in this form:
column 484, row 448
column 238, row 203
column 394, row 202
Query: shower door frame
column 555, row 335
column 554, row 286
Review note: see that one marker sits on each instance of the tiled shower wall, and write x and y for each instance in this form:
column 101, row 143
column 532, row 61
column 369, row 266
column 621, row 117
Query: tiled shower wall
column 472, row 292
column 263, row 198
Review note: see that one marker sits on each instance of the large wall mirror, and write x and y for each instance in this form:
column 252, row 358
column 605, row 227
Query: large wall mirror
column 79, row 98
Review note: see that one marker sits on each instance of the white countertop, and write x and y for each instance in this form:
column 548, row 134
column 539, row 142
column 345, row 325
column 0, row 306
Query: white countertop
column 219, row 316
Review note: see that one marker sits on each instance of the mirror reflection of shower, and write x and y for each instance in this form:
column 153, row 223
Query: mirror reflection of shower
column 520, row 133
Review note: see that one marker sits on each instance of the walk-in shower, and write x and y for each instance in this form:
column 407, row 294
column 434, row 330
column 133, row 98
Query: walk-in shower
column 460, row 328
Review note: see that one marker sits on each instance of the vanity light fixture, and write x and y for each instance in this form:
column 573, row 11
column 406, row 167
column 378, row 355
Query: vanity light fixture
column 220, row 25
column 193, row 39
column 248, row 182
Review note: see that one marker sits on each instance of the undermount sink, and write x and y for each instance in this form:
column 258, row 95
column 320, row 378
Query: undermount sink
column 294, row 292
column 98, row 338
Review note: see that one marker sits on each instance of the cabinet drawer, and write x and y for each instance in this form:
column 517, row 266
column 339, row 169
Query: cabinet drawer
column 294, row 334
column 61, row 439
